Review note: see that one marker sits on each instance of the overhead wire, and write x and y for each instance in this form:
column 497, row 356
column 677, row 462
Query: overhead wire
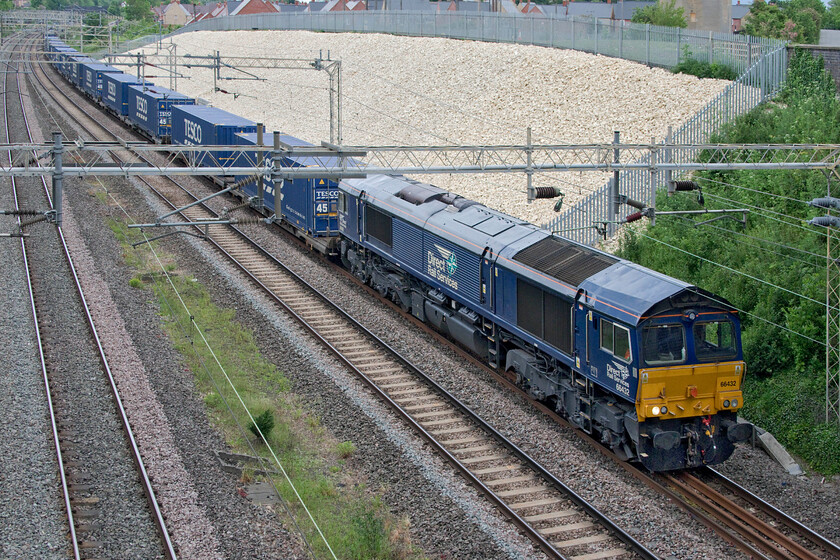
column 211, row 377
column 242, row 403
column 772, row 214
column 734, row 271
column 756, row 191
column 752, row 237
column 728, row 232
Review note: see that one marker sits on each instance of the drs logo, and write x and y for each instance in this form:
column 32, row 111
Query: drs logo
column 192, row 131
column 142, row 108
column 112, row 90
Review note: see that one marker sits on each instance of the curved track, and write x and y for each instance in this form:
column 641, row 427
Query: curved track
column 90, row 527
column 561, row 523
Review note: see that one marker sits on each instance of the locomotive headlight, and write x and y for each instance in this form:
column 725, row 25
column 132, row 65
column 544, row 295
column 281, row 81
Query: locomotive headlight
column 664, row 409
column 726, row 403
column 655, row 411
column 734, row 403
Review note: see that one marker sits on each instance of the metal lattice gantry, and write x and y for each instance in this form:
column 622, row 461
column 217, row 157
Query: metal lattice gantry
column 832, row 326
column 69, row 25
column 235, row 67
column 337, row 161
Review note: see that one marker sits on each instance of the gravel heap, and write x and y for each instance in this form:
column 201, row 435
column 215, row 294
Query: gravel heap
column 431, row 91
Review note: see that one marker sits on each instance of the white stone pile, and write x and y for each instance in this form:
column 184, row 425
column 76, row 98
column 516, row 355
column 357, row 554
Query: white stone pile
column 429, row 91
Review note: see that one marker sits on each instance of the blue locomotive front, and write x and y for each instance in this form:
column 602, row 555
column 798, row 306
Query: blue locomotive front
column 649, row 365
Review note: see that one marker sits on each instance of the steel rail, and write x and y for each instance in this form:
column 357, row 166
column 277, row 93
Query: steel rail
column 74, row 541
column 777, row 514
column 160, row 523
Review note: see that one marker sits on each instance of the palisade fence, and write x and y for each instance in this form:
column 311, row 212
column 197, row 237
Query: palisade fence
column 761, row 64
column 759, row 83
column 649, row 44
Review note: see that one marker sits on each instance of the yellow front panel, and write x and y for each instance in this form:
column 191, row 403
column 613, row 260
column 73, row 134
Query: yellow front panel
column 689, row 390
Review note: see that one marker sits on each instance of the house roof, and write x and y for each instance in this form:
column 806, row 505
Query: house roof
column 739, row 11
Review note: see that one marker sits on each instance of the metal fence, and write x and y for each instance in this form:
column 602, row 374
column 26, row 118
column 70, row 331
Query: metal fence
column 760, row 82
column 649, row 44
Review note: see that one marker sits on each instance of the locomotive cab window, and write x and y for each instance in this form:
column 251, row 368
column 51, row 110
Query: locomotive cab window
column 615, row 339
column 663, row 344
column 714, row 340
column 342, row 202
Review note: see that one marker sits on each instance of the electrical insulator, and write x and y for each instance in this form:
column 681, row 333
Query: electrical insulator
column 634, row 217
column 547, row 192
column 825, row 202
column 683, row 186
column 825, row 221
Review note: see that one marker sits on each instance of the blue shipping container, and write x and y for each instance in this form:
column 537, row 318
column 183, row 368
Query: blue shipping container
column 309, row 204
column 150, row 108
column 92, row 77
column 115, row 91
column 73, row 66
column 60, row 56
column 199, row 125
column 250, row 158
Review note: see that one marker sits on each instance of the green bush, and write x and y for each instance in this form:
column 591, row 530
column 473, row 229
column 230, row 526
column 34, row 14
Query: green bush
column 345, row 449
column 691, row 65
column 263, row 423
column 705, row 70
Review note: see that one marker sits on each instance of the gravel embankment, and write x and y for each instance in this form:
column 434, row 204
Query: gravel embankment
column 431, row 91
column 205, row 512
column 29, row 489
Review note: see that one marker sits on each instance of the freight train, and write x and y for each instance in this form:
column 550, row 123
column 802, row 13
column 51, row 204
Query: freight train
column 649, row 365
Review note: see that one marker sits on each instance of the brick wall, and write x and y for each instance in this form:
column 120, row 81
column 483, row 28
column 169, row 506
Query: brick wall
column 831, row 56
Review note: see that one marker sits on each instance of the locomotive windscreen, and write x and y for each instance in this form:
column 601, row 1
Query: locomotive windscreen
column 564, row 260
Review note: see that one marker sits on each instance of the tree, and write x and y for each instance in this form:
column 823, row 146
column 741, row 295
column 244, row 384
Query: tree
column 138, row 10
column 664, row 13
column 795, row 20
column 764, row 20
column 831, row 19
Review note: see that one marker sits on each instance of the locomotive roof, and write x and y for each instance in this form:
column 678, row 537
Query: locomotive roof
column 615, row 287
column 629, row 292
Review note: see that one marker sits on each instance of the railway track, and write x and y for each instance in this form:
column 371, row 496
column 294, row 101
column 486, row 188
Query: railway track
column 91, row 492
column 754, row 526
column 560, row 523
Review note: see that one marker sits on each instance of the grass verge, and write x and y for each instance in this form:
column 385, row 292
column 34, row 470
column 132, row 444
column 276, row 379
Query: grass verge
column 352, row 518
